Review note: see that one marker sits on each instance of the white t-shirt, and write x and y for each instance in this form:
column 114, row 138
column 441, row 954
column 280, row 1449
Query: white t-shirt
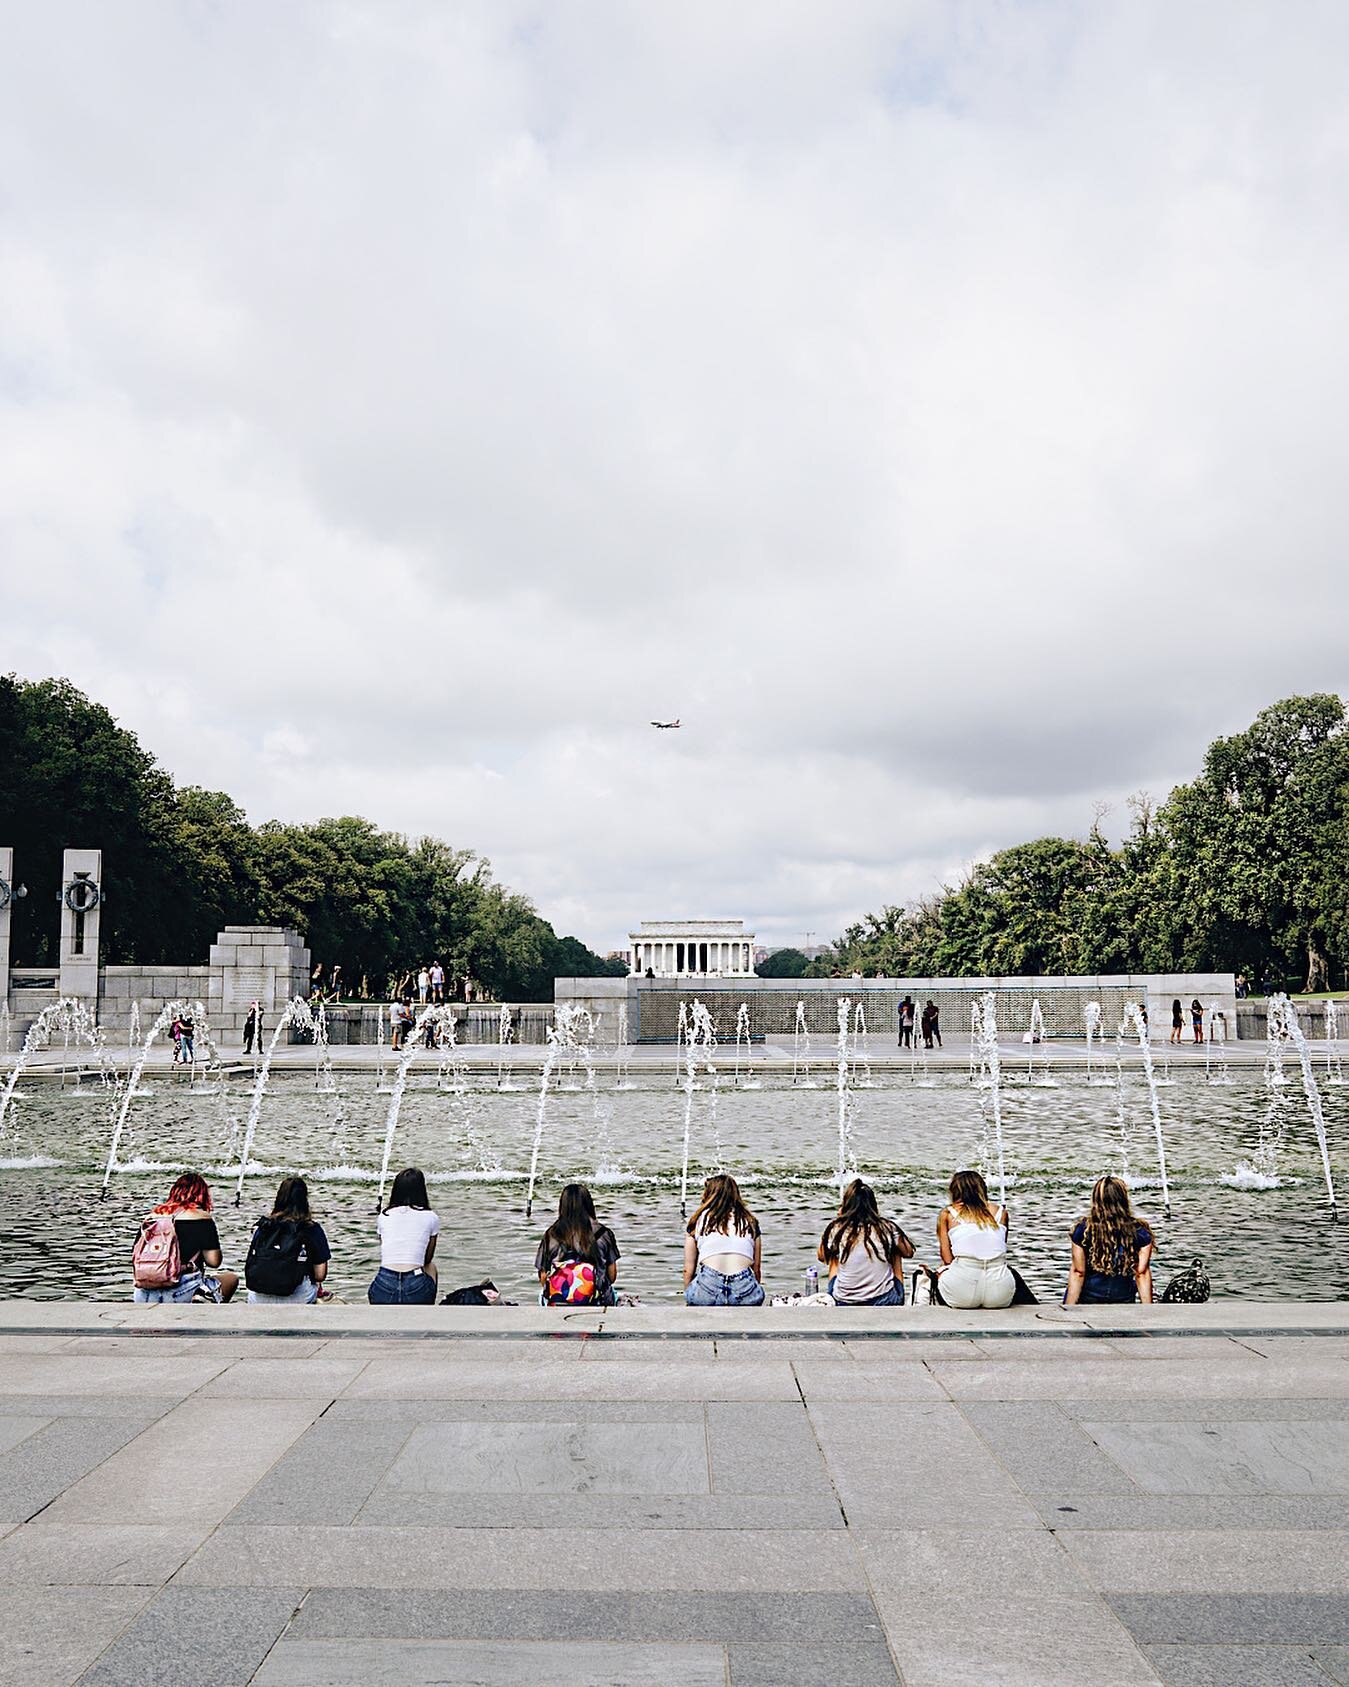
column 403, row 1235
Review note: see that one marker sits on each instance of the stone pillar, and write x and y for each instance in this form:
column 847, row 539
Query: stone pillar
column 6, row 911
column 263, row 964
column 81, row 870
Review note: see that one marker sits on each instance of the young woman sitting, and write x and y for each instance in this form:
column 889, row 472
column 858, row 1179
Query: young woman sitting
column 1112, row 1251
column 577, row 1259
column 407, row 1243
column 972, row 1236
column 199, row 1275
column 864, row 1253
column 288, row 1246
column 723, row 1250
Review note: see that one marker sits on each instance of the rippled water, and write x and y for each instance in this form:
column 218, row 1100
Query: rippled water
column 57, row 1240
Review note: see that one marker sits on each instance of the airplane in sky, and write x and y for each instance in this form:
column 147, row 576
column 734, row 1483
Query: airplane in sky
column 666, row 725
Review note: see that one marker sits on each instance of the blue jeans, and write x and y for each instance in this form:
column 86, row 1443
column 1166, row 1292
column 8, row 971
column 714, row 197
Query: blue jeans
column 401, row 1288
column 893, row 1296
column 715, row 1288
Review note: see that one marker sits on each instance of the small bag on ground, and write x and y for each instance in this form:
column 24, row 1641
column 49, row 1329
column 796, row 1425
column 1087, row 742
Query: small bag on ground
column 1189, row 1287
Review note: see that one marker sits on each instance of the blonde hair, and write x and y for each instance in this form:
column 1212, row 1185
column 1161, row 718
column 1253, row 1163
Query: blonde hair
column 969, row 1192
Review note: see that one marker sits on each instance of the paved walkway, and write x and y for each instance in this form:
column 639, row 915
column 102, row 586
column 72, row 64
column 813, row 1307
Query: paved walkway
column 204, row 1496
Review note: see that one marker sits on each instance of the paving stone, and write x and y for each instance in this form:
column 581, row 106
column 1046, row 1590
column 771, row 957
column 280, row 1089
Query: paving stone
column 1236, row 1666
column 769, row 1664
column 648, row 1560
column 78, row 1373
column 93, row 1554
column 552, row 1458
column 14, row 1430
column 326, row 1477
column 1290, row 1410
column 911, row 1350
column 85, row 1406
column 828, row 1379
column 1043, row 1449
column 1230, row 1458
column 1212, row 1561
column 46, row 1463
column 915, row 1466
column 1334, row 1660
column 223, row 1347
column 1034, row 1640
column 1193, row 1511
column 899, row 1561
column 764, row 1449
column 1294, row 1349
column 465, row 1663
column 412, row 1413
column 283, row 1379
column 202, row 1635
column 1174, row 1379
column 193, row 1465
column 1234, row 1619
column 18, row 1341
column 832, row 1620
column 621, row 1379
column 742, row 1512
column 48, row 1635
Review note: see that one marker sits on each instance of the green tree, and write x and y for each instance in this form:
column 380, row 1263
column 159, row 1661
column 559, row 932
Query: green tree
column 783, row 963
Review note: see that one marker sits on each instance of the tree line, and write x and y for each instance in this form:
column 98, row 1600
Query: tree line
column 179, row 863
column 1245, row 869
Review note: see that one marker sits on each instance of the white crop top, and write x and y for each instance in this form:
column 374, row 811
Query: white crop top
column 976, row 1241
column 404, row 1234
column 717, row 1242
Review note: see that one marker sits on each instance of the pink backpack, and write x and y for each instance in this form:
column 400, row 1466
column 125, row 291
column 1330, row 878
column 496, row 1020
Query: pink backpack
column 155, row 1263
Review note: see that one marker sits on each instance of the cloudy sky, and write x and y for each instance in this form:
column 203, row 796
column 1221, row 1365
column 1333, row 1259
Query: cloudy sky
column 938, row 407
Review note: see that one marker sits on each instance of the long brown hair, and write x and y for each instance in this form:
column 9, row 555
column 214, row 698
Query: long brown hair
column 572, row 1232
column 969, row 1192
column 721, row 1208
column 292, row 1201
column 859, row 1219
column 1110, row 1230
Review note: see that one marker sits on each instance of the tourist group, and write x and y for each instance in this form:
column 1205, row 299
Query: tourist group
column 177, row 1255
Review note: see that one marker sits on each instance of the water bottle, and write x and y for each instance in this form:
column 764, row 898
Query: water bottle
column 812, row 1279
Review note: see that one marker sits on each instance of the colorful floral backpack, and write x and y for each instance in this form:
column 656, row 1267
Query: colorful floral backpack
column 573, row 1282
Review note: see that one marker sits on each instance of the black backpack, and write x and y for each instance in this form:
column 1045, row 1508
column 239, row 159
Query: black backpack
column 278, row 1257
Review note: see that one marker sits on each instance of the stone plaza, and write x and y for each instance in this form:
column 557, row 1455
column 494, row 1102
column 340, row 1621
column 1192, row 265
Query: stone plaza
column 784, row 1499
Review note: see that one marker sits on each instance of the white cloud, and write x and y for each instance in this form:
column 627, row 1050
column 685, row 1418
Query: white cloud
column 935, row 407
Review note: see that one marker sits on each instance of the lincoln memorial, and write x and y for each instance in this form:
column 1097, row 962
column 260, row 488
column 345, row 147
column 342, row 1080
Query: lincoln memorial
column 699, row 948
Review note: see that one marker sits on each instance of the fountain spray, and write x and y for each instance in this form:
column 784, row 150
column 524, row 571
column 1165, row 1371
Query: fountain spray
column 296, row 1012
column 1281, row 1006
column 1134, row 1013
column 406, row 1056
column 984, row 1023
column 165, row 1017
column 841, row 1088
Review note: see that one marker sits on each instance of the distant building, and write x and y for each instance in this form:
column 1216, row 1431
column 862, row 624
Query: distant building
column 697, row 948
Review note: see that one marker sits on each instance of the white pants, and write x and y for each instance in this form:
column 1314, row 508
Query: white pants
column 971, row 1283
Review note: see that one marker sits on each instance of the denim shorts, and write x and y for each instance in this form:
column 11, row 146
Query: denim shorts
column 715, row 1288
column 188, row 1287
column 402, row 1288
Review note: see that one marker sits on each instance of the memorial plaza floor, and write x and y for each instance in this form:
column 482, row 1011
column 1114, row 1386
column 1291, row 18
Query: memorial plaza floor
column 344, row 1494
